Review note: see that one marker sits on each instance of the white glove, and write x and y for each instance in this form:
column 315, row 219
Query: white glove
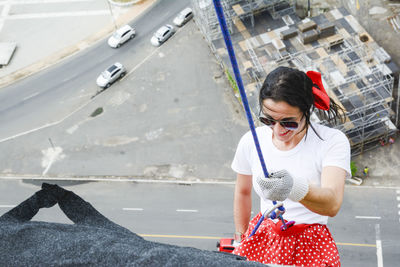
column 235, row 243
column 280, row 185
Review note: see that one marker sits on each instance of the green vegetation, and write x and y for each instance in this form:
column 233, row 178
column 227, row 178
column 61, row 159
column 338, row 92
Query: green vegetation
column 353, row 168
column 233, row 83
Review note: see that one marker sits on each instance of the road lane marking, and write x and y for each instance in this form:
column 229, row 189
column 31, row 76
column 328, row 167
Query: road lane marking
column 47, row 125
column 398, row 199
column 59, row 14
column 368, row 217
column 182, row 236
column 7, row 206
column 140, row 63
column 378, row 246
column 187, row 210
column 146, row 58
column 366, row 187
column 219, row 237
column 32, row 95
column 398, row 205
column 356, row 245
column 135, row 209
column 30, row 2
column 4, row 13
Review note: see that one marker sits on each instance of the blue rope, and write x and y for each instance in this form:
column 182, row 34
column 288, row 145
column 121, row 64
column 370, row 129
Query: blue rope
column 231, row 52
column 228, row 43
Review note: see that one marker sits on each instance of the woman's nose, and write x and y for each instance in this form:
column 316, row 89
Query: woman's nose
column 279, row 127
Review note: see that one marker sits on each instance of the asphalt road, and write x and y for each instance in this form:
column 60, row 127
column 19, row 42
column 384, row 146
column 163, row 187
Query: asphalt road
column 366, row 228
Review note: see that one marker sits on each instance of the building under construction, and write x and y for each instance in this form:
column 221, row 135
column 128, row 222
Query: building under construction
column 357, row 73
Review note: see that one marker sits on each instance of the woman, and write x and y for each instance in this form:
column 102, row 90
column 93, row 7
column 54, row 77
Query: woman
column 308, row 164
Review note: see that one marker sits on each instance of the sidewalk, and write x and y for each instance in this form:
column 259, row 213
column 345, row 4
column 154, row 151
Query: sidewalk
column 54, row 34
column 383, row 163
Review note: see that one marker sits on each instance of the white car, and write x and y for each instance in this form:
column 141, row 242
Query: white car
column 120, row 36
column 110, row 75
column 162, row 35
column 183, row 17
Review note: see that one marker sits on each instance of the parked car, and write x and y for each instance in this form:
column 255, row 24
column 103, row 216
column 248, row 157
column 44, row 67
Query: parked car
column 162, row 35
column 225, row 245
column 110, row 75
column 120, row 36
column 183, row 17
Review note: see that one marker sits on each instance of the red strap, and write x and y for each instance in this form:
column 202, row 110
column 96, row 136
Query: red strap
column 321, row 98
column 294, row 229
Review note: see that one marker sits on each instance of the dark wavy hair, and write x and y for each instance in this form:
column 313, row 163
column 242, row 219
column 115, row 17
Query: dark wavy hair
column 295, row 88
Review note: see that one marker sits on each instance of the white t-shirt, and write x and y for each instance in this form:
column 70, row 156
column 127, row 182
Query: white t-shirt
column 306, row 159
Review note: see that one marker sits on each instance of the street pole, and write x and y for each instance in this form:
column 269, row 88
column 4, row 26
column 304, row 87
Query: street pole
column 112, row 15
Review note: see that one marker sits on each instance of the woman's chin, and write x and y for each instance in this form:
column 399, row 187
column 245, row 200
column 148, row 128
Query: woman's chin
column 283, row 136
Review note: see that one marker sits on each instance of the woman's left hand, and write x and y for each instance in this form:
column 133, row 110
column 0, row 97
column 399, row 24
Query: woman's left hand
column 281, row 185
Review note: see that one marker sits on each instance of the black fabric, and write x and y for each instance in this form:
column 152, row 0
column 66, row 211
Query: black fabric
column 92, row 240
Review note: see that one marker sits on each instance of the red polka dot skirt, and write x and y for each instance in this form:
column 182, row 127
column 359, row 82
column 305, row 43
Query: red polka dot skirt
column 300, row 245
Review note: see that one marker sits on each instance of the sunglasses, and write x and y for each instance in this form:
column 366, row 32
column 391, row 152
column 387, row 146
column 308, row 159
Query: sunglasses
column 288, row 125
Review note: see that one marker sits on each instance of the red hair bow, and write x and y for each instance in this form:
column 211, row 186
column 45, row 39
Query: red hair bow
column 321, row 98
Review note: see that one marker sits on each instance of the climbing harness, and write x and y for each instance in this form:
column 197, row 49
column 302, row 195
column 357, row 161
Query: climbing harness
column 277, row 210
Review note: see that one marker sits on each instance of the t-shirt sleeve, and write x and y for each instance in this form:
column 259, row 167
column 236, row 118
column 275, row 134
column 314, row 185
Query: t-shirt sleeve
column 241, row 161
column 338, row 153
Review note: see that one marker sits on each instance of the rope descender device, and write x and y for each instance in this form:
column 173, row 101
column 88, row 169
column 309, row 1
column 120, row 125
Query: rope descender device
column 273, row 213
column 228, row 42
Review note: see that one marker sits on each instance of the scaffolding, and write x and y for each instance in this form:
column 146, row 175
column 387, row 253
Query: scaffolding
column 365, row 94
column 235, row 12
column 257, row 71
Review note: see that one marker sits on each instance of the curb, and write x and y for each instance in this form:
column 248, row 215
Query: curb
column 354, row 180
column 137, row 179
column 159, row 180
column 132, row 2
